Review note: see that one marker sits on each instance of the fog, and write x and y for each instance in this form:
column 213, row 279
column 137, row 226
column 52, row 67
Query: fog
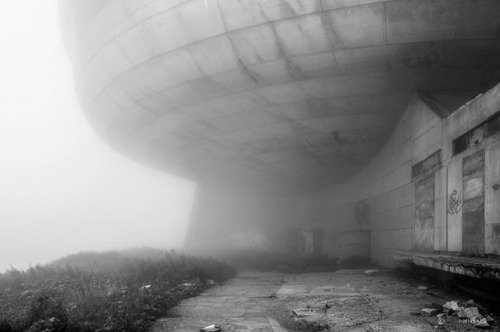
column 63, row 190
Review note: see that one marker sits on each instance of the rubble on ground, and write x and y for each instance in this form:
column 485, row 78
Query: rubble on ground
column 451, row 305
column 210, row 282
column 441, row 319
column 305, row 312
column 468, row 312
column 429, row 312
column 211, row 328
column 371, row 272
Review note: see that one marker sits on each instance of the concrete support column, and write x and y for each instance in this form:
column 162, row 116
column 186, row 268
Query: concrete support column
column 226, row 220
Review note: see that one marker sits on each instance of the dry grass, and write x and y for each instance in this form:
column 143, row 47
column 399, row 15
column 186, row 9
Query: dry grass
column 102, row 292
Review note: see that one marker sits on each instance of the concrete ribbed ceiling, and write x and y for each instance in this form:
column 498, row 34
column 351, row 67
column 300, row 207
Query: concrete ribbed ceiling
column 276, row 93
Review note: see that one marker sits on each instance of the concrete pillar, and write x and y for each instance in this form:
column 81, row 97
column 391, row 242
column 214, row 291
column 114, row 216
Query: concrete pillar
column 227, row 220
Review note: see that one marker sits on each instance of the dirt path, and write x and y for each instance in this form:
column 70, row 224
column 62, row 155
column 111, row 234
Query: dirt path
column 345, row 300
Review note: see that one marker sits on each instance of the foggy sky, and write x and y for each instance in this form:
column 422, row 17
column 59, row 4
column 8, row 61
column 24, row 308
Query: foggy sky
column 62, row 189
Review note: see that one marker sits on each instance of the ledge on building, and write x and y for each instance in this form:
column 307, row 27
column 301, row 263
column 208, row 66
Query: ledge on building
column 477, row 267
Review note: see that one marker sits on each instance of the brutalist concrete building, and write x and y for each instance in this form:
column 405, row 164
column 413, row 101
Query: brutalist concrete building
column 341, row 128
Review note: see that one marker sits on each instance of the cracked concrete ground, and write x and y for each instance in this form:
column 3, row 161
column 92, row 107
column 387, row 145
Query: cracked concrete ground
column 241, row 304
column 345, row 300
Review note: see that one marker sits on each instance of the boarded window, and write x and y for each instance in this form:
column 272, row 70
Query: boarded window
column 473, row 206
column 424, row 215
column 426, row 166
column 477, row 135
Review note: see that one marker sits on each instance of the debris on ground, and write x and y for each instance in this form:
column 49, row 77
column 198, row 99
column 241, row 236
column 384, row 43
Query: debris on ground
column 472, row 303
column 429, row 312
column 211, row 282
column 311, row 318
column 272, row 296
column 304, row 312
column 451, row 305
column 371, row 272
column 423, row 288
column 318, row 313
column 441, row 319
column 471, row 313
column 211, row 328
column 468, row 312
column 145, row 288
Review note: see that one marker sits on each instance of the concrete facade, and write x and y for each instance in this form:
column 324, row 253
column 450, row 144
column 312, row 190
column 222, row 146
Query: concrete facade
column 391, row 192
column 392, row 230
column 313, row 127
column 281, row 95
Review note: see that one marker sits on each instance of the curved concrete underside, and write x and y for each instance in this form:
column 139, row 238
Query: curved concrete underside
column 280, row 94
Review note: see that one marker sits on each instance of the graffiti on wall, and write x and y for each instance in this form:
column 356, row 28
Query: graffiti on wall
column 454, row 202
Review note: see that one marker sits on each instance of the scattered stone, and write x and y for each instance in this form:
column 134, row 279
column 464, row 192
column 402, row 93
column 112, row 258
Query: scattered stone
column 145, row 287
column 435, row 306
column 469, row 313
column 371, row 272
column 272, row 296
column 304, row 312
column 429, row 312
column 424, row 288
column 471, row 303
column 451, row 305
column 211, row 328
column 441, row 319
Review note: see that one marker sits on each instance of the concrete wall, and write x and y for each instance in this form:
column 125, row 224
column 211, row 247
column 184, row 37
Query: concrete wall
column 387, row 209
column 412, row 214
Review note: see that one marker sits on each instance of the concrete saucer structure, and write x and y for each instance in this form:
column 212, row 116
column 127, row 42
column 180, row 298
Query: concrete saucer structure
column 313, row 127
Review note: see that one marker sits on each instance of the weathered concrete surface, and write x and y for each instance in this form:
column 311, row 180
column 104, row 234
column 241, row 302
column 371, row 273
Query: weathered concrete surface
column 477, row 267
column 346, row 300
column 296, row 94
column 388, row 188
column 242, row 304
